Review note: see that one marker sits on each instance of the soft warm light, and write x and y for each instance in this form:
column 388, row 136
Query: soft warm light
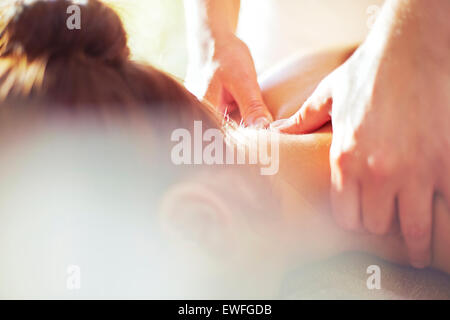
column 156, row 30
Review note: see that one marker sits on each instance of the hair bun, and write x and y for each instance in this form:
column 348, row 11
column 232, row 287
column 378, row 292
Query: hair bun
column 40, row 28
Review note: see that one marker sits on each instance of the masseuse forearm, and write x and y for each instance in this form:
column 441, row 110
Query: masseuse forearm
column 219, row 18
column 427, row 21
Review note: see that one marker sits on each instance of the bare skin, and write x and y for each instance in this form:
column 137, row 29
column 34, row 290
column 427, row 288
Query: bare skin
column 304, row 178
column 303, row 228
column 390, row 109
column 300, row 228
column 221, row 70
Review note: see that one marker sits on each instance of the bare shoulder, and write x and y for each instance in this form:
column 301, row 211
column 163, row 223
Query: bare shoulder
column 286, row 86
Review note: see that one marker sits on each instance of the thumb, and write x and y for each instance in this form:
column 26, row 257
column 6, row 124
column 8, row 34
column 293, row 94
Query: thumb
column 314, row 113
column 249, row 99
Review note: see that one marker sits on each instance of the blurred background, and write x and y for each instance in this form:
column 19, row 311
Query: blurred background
column 273, row 29
column 156, row 31
column 109, row 176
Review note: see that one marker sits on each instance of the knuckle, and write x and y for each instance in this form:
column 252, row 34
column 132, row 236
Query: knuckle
column 342, row 160
column 359, row 135
column 253, row 108
column 413, row 162
column 381, row 164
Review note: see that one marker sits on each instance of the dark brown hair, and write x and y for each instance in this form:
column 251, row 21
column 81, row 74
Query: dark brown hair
column 45, row 67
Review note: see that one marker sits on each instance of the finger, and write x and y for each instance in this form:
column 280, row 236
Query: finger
column 213, row 94
column 228, row 105
column 314, row 113
column 395, row 228
column 345, row 196
column 249, row 99
column 444, row 184
column 378, row 207
column 415, row 212
column 446, row 193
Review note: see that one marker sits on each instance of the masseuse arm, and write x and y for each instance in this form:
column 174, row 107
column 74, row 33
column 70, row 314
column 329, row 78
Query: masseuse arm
column 304, row 176
column 389, row 106
column 221, row 69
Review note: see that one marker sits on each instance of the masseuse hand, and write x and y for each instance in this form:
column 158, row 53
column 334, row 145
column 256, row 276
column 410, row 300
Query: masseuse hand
column 227, row 79
column 390, row 110
column 221, row 69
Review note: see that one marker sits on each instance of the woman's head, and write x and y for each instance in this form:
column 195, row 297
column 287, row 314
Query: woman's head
column 83, row 80
column 47, row 68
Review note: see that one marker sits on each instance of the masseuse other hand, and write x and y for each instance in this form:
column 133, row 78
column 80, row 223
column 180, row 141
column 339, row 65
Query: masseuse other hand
column 390, row 110
column 226, row 77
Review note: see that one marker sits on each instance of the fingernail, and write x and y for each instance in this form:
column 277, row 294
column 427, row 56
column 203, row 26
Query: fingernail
column 418, row 264
column 261, row 123
column 421, row 262
column 279, row 124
